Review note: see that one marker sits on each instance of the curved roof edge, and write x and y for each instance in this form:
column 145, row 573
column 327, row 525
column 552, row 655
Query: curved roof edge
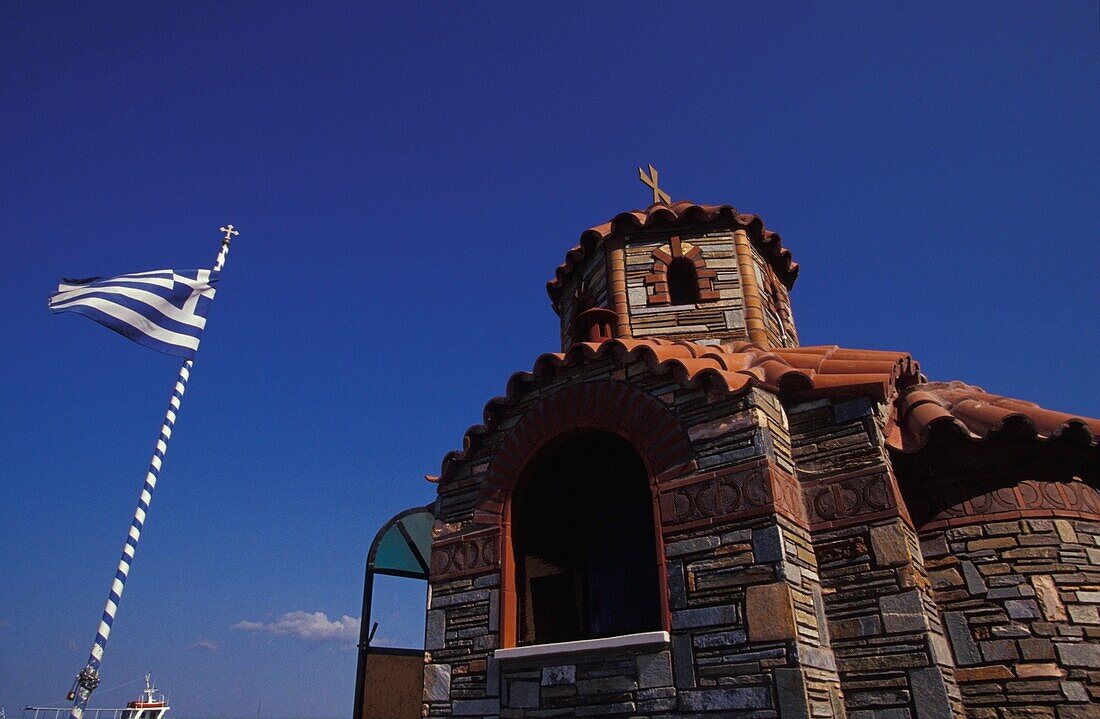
column 667, row 216
column 734, row 367
column 972, row 413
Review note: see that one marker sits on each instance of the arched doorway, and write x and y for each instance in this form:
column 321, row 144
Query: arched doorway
column 584, row 543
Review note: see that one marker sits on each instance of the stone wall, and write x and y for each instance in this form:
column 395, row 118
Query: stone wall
column 745, row 609
column 1021, row 603
column 589, row 280
column 617, row 682
column 721, row 318
column 885, row 630
column 797, row 585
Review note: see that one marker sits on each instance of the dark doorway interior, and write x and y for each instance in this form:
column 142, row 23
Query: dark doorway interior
column 583, row 537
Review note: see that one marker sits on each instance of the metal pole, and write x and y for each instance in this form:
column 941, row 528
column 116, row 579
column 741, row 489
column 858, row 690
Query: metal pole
column 88, row 678
column 364, row 641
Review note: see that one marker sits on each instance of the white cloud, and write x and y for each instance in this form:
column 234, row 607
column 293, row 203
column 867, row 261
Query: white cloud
column 315, row 627
column 208, row 644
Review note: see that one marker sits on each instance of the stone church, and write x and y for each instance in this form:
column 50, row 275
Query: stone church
column 685, row 513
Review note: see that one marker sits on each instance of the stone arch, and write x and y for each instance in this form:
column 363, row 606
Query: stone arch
column 657, row 287
column 615, row 407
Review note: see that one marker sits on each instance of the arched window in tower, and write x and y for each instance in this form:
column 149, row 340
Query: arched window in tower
column 583, row 542
column 683, row 283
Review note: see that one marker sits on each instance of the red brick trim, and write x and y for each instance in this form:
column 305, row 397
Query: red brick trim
column 657, row 280
column 467, row 554
column 751, row 489
column 977, row 499
column 856, row 497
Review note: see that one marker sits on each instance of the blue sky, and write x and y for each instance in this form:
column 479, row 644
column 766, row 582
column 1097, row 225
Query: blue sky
column 405, row 178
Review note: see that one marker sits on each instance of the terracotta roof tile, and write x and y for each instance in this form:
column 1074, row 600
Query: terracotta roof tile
column 973, row 413
column 668, row 216
column 732, row 367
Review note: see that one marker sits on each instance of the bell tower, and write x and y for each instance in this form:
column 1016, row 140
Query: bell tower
column 677, row 271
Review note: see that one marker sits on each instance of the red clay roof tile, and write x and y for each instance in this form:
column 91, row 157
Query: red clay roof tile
column 921, row 407
column 732, row 367
column 975, row 414
column 668, row 216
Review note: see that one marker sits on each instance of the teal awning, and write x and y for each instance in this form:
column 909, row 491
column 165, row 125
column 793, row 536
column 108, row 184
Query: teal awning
column 403, row 546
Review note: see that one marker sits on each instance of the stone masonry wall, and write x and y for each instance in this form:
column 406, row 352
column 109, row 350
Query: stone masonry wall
column 1021, row 603
column 747, row 624
column 776, row 301
column 460, row 635
column 723, row 318
column 623, row 683
column 589, row 279
column 885, row 631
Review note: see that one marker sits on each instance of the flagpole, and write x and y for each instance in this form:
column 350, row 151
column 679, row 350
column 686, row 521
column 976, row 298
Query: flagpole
column 88, row 677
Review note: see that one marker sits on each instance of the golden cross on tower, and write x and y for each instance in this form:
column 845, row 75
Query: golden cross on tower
column 659, row 195
column 229, row 232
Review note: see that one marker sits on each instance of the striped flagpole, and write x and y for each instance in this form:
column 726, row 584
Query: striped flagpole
column 88, row 678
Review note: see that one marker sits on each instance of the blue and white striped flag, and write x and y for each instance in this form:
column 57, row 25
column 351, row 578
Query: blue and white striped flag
column 164, row 310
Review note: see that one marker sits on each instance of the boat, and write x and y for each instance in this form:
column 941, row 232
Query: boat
column 150, row 704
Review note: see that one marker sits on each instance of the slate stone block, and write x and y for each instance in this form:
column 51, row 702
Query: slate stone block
column 894, row 713
column 523, row 695
column 929, row 693
column 437, row 682
column 889, row 545
column 475, row 707
column 494, row 610
column 725, row 699
column 962, row 641
column 934, row 547
column 1022, row 609
column 683, row 661
column 767, row 544
column 555, row 676
column 878, row 697
column 689, row 546
column 817, row 657
column 1079, row 655
column 973, row 578
column 654, row 670
column 999, row 650
column 704, row 617
column 769, row 612
column 790, row 688
column 903, row 612
column 605, row 709
column 712, row 640
column 866, row 626
column 435, row 630
column 606, row 685
column 450, row 600
column 852, row 409
column 677, row 589
column 1036, row 649
column 492, row 677
column 1075, row 692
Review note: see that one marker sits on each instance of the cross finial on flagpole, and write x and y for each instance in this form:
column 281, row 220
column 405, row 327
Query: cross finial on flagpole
column 229, row 232
column 659, row 195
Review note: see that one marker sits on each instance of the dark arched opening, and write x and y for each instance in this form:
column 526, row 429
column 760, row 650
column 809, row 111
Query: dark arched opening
column 585, row 552
column 683, row 283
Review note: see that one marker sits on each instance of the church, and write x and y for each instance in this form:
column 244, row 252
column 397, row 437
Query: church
column 686, row 513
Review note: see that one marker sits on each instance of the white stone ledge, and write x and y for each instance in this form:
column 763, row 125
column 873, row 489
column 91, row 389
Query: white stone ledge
column 641, row 640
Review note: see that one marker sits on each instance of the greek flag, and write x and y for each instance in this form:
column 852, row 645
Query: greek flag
column 164, row 310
